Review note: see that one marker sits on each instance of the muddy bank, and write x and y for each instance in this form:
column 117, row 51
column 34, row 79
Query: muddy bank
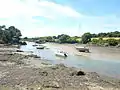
column 28, row 72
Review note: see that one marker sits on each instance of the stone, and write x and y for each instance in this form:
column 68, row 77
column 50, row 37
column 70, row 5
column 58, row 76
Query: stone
column 77, row 73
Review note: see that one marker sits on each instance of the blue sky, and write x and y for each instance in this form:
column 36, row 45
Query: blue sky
column 53, row 17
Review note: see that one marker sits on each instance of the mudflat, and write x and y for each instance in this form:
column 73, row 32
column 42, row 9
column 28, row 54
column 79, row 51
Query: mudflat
column 20, row 71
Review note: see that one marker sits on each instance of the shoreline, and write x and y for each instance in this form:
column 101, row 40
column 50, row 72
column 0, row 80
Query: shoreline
column 20, row 72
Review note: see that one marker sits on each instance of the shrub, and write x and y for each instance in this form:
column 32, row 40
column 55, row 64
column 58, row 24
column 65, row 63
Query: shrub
column 112, row 42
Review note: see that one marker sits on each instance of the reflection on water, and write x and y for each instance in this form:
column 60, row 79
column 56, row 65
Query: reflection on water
column 101, row 65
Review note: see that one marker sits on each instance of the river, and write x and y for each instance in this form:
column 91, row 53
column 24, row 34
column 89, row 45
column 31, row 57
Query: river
column 105, row 61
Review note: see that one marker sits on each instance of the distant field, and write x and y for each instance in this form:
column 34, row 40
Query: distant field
column 78, row 39
column 117, row 38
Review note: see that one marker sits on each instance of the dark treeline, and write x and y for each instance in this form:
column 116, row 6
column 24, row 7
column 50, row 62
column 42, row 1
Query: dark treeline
column 86, row 38
column 63, row 38
column 109, row 34
column 10, row 35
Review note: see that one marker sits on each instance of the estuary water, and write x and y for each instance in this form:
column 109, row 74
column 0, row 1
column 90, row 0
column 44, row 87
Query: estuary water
column 105, row 61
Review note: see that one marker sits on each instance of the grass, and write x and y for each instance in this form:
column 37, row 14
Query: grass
column 78, row 39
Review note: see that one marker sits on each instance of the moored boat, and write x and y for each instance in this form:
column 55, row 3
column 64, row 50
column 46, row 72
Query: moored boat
column 61, row 53
column 34, row 45
column 82, row 49
column 40, row 47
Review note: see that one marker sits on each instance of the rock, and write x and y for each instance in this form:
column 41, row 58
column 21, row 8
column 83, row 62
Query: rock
column 78, row 73
column 44, row 73
column 18, row 50
column 106, row 44
column 23, row 43
column 118, row 46
column 35, row 56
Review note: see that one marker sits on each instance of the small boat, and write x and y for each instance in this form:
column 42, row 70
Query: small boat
column 61, row 53
column 34, row 45
column 82, row 49
column 40, row 47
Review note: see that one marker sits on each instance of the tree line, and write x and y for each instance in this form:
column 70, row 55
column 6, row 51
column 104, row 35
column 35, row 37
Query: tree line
column 10, row 35
column 63, row 38
column 108, row 34
column 102, row 39
column 86, row 38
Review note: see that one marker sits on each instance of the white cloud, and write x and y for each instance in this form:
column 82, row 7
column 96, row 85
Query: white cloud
column 20, row 13
column 55, row 10
column 11, row 8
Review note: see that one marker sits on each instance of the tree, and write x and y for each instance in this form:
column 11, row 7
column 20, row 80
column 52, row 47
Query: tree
column 86, row 37
column 112, row 42
column 25, row 37
column 64, row 38
column 9, row 35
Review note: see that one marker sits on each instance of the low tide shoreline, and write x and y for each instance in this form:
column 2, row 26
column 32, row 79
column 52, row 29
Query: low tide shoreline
column 19, row 71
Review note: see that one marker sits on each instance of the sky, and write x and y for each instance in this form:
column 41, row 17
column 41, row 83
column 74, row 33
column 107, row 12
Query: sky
column 52, row 17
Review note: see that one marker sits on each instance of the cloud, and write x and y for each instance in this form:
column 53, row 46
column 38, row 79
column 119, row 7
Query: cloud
column 97, row 24
column 54, row 10
column 20, row 13
column 11, row 8
column 53, row 18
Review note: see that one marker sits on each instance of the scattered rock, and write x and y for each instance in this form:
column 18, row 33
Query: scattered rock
column 18, row 50
column 23, row 43
column 44, row 73
column 78, row 73
column 34, row 56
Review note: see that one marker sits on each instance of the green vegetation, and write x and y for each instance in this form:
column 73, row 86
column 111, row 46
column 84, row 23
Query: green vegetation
column 109, row 34
column 63, row 38
column 106, row 42
column 101, row 39
column 66, row 39
column 86, row 38
column 10, row 35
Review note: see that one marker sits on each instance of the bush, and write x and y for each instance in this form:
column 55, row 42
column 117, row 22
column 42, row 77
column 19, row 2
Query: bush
column 94, row 41
column 112, row 42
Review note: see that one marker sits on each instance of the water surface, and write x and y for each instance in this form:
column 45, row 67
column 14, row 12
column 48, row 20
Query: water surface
column 105, row 61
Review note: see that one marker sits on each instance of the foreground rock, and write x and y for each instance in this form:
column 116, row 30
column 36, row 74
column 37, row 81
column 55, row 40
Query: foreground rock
column 20, row 72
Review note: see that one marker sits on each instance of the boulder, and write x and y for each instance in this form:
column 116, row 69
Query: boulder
column 18, row 50
column 78, row 73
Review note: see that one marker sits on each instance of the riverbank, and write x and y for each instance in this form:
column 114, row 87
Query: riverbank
column 21, row 71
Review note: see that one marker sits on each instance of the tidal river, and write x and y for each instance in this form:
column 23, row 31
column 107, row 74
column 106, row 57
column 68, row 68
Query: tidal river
column 105, row 61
